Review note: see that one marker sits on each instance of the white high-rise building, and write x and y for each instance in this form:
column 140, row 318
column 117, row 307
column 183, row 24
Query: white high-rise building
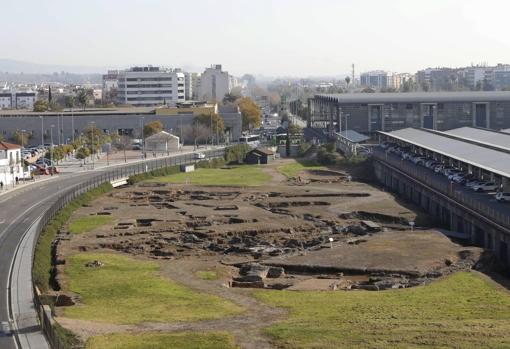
column 215, row 84
column 192, row 82
column 150, row 86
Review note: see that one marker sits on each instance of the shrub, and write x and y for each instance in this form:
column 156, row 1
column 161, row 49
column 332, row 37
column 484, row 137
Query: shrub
column 236, row 153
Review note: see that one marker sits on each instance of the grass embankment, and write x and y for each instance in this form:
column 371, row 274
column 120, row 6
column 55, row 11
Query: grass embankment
column 130, row 291
column 162, row 341
column 292, row 169
column 88, row 223
column 42, row 268
column 461, row 311
column 244, row 175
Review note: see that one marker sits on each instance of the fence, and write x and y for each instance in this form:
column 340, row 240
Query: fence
column 107, row 175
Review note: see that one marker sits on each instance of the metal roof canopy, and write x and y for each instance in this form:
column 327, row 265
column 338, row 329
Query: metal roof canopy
column 420, row 97
column 352, row 136
column 483, row 136
column 491, row 160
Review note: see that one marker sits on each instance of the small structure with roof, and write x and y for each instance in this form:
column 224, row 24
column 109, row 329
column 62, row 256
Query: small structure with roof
column 11, row 163
column 350, row 142
column 162, row 142
column 259, row 156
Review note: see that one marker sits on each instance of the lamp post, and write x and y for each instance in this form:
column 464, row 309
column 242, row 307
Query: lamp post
column 142, row 120
column 92, row 128
column 51, row 149
column 42, row 129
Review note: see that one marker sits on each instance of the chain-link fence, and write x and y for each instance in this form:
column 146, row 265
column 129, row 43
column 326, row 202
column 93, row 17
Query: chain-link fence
column 107, row 175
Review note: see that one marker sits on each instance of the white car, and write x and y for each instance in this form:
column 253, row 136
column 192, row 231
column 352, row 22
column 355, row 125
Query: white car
column 199, row 156
column 486, row 186
column 503, row 196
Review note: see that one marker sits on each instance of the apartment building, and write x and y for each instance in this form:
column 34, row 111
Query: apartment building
column 10, row 163
column 380, row 79
column 191, row 86
column 216, row 83
column 150, row 86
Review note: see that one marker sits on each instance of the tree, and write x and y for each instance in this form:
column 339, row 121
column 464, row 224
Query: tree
column 250, row 111
column 213, row 122
column 20, row 137
column 347, row 81
column 84, row 96
column 94, row 138
column 41, row 106
column 152, row 127
column 82, row 153
column 367, row 90
column 69, row 101
column 197, row 133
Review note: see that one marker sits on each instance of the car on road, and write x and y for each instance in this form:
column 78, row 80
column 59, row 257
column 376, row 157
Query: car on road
column 503, row 196
column 199, row 156
column 485, row 186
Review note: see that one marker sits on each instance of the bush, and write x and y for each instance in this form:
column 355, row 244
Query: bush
column 326, row 158
column 236, row 153
column 303, row 148
column 214, row 163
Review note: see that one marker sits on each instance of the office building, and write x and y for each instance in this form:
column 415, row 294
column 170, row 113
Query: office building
column 150, row 86
column 371, row 112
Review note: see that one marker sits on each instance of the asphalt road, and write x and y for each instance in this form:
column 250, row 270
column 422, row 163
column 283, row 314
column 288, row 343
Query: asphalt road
column 19, row 208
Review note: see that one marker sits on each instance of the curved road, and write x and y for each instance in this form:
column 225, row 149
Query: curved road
column 19, row 209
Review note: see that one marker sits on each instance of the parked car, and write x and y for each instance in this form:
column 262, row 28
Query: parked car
column 503, row 196
column 472, row 183
column 486, row 186
column 199, row 156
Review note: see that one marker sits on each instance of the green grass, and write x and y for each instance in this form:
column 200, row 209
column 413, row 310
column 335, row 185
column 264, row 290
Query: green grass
column 42, row 269
column 207, row 275
column 245, row 175
column 293, row 169
column 185, row 340
column 129, row 291
column 88, row 223
column 462, row 311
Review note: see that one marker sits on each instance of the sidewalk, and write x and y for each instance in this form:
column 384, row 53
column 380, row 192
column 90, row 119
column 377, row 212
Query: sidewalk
column 23, row 184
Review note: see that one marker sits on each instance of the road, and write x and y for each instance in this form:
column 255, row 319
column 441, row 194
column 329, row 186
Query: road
column 18, row 210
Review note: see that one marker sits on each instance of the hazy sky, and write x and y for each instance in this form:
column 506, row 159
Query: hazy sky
column 270, row 37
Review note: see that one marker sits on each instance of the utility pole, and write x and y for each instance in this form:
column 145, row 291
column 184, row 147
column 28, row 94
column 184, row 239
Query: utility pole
column 143, row 137
column 92, row 128
column 353, row 73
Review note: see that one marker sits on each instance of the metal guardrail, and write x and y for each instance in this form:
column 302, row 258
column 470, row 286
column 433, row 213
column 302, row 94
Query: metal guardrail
column 123, row 171
column 454, row 191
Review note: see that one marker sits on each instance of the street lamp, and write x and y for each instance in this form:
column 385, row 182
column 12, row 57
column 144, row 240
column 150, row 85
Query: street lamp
column 42, row 129
column 51, row 148
column 92, row 129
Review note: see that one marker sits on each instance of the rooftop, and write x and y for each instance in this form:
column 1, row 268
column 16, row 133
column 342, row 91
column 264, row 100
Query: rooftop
column 7, row 146
column 488, row 159
column 353, row 136
column 420, row 97
column 482, row 136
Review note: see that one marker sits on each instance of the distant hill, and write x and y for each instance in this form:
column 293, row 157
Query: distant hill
column 14, row 66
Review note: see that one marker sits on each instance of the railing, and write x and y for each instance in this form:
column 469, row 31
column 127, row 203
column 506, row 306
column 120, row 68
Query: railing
column 480, row 203
column 107, row 175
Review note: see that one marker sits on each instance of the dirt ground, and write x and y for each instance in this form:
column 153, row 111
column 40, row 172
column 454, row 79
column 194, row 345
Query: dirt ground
column 318, row 231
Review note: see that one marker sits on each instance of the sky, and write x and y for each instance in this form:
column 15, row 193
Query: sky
column 267, row 37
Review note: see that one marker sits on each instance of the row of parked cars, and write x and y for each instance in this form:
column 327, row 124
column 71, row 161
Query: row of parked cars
column 28, row 153
column 453, row 174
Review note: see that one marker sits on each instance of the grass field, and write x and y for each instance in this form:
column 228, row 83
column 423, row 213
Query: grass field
column 88, row 223
column 462, row 311
column 207, row 275
column 293, row 169
column 245, row 175
column 162, row 341
column 128, row 291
